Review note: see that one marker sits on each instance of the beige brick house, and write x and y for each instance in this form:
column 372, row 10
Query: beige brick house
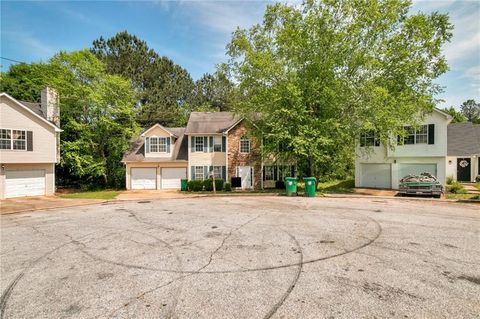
column 29, row 145
column 212, row 142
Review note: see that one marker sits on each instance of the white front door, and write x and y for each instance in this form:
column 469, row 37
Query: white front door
column 171, row 177
column 144, row 178
column 245, row 173
column 24, row 183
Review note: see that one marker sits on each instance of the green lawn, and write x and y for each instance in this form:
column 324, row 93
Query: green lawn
column 462, row 196
column 104, row 194
column 336, row 187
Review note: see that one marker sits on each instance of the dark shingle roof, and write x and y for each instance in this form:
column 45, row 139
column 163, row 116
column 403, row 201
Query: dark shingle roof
column 463, row 139
column 136, row 151
column 210, row 122
column 35, row 107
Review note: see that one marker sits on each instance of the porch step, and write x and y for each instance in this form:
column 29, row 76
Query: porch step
column 470, row 188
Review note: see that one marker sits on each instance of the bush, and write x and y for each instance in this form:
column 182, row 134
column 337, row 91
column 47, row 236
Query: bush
column 477, row 179
column 449, row 180
column 208, row 184
column 228, row 187
column 456, row 188
column 195, row 185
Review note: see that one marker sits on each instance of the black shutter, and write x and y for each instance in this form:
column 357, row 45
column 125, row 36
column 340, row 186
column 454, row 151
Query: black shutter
column 224, row 142
column 431, row 133
column 29, row 141
column 263, row 173
column 192, row 175
column 192, row 143
column 224, row 173
column 147, row 144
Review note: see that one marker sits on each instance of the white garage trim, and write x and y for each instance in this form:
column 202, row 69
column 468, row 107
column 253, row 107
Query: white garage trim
column 170, row 177
column 20, row 183
column 376, row 175
column 143, row 177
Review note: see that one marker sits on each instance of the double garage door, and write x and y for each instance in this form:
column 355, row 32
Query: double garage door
column 24, row 183
column 146, row 177
column 380, row 175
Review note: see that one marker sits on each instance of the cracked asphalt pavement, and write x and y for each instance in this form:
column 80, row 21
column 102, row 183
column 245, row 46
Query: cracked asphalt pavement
column 243, row 257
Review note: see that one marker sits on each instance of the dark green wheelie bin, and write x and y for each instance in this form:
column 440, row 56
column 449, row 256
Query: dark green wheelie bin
column 310, row 186
column 184, row 185
column 291, row 186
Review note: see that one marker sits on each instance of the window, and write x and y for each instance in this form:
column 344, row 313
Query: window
column 269, row 173
column 244, row 145
column 5, row 139
column 217, row 172
column 415, row 136
column 369, row 138
column 158, row 144
column 199, row 144
column 13, row 139
column 217, row 143
column 421, row 135
column 199, row 172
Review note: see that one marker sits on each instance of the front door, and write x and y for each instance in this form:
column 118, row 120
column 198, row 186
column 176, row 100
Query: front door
column 464, row 169
column 245, row 173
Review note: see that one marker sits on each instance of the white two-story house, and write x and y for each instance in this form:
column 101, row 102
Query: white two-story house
column 29, row 145
column 423, row 150
column 216, row 143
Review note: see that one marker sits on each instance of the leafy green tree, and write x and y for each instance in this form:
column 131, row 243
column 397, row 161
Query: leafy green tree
column 96, row 111
column 213, row 92
column 457, row 117
column 323, row 72
column 471, row 110
column 163, row 87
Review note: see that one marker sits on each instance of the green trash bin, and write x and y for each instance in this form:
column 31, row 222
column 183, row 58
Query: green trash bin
column 310, row 186
column 184, row 184
column 291, row 186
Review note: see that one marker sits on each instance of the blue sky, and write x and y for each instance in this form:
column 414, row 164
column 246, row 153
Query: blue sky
column 194, row 33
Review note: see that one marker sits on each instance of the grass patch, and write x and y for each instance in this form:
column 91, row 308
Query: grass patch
column 107, row 194
column 477, row 185
column 336, row 187
column 463, row 196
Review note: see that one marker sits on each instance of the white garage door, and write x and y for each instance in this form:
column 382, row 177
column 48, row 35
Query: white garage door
column 416, row 169
column 171, row 177
column 24, row 183
column 376, row 175
column 144, row 178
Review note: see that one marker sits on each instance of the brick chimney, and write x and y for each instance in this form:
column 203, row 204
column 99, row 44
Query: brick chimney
column 49, row 105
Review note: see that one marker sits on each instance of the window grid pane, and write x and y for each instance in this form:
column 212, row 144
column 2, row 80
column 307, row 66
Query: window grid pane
column 162, row 144
column 5, row 139
column 199, row 144
column 244, row 145
column 198, row 172
column 217, row 172
column 422, row 135
column 217, row 144
column 19, row 140
column 153, row 144
column 269, row 173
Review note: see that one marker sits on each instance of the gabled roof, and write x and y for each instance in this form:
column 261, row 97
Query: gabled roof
column 166, row 129
column 136, row 151
column 31, row 110
column 463, row 139
column 448, row 116
column 211, row 122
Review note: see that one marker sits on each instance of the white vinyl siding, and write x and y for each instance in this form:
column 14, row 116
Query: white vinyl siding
column 20, row 183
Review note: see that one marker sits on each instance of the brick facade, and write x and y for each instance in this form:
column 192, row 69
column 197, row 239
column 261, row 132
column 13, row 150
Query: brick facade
column 235, row 158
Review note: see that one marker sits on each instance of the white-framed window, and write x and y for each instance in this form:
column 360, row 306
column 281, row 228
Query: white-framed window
column 415, row 136
column 217, row 172
column 369, row 138
column 5, row 139
column 244, row 145
column 269, row 173
column 421, row 135
column 199, row 172
column 158, row 144
column 13, row 139
column 217, row 143
column 199, row 144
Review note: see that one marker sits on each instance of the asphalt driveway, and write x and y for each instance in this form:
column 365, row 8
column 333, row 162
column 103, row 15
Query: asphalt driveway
column 243, row 257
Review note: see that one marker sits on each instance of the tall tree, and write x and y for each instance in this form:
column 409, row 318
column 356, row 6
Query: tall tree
column 323, row 72
column 96, row 111
column 471, row 110
column 163, row 87
column 457, row 117
column 213, row 92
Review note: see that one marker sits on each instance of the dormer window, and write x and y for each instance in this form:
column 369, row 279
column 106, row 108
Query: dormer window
column 158, row 144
